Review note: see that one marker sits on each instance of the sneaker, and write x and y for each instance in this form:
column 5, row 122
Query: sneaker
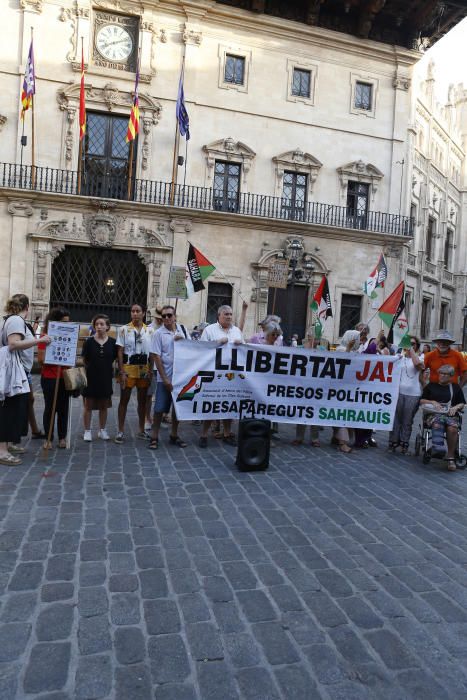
column 87, row 437
column 103, row 434
column 143, row 436
column 119, row 438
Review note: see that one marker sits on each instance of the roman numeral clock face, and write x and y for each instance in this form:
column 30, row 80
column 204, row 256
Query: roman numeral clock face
column 114, row 43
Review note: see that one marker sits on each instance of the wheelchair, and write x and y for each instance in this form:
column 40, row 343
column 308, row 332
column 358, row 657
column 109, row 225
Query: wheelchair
column 423, row 443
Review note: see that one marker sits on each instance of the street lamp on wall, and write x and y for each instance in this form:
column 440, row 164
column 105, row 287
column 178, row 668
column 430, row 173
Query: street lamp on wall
column 301, row 269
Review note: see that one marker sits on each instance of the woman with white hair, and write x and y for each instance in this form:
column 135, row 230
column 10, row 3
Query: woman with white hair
column 349, row 343
column 259, row 338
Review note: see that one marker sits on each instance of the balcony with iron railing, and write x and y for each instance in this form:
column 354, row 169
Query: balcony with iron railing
column 69, row 182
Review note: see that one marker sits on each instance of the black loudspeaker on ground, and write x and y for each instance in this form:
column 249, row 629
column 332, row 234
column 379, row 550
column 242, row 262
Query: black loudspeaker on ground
column 254, row 438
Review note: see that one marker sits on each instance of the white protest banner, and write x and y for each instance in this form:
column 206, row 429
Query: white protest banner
column 62, row 349
column 287, row 385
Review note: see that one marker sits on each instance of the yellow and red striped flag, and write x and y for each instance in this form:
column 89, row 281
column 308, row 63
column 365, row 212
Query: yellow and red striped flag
column 82, row 101
column 133, row 122
column 29, row 83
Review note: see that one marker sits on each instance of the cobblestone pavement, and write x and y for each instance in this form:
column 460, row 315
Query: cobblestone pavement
column 132, row 575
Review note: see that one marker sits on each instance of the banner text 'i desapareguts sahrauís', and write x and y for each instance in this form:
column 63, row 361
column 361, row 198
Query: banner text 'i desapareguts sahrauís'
column 286, row 385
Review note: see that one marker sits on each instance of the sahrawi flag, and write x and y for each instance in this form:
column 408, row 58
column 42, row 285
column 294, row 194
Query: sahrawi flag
column 321, row 306
column 29, row 83
column 376, row 278
column 392, row 313
column 392, row 307
column 198, row 268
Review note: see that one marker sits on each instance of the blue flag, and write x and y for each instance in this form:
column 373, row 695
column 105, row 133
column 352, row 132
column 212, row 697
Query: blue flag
column 182, row 115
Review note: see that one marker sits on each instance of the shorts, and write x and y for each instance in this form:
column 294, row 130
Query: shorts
column 138, row 383
column 163, row 399
column 93, row 404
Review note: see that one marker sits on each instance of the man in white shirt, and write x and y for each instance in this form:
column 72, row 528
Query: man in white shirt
column 162, row 354
column 221, row 332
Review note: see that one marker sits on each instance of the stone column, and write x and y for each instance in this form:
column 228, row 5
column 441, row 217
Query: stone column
column 20, row 211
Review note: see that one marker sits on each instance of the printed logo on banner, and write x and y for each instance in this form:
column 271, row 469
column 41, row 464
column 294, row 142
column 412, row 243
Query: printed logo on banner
column 190, row 389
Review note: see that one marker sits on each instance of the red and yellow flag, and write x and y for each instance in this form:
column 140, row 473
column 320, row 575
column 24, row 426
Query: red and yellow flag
column 133, row 122
column 29, row 83
column 82, row 101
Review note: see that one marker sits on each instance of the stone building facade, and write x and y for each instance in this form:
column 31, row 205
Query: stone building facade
column 437, row 257
column 297, row 135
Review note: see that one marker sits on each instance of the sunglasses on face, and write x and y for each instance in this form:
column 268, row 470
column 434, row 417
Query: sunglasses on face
column 446, row 374
column 166, row 315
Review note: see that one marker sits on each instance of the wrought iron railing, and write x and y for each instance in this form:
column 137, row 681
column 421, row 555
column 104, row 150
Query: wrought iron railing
column 43, row 179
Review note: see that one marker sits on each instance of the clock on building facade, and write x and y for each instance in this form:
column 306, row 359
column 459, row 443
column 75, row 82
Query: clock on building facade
column 115, row 41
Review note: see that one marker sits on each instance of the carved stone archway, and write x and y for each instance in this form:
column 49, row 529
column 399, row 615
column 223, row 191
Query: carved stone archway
column 103, row 228
column 108, row 98
column 260, row 293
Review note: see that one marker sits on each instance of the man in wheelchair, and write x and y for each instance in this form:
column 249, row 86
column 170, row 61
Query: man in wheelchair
column 442, row 401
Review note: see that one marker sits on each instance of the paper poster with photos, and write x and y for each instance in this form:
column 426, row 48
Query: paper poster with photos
column 62, row 349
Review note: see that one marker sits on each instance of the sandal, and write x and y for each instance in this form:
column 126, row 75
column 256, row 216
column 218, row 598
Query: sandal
column 16, row 449
column 62, row 444
column 297, row 442
column 10, row 460
column 153, row 444
column 218, row 434
column 175, row 440
column 315, row 443
column 451, row 465
column 346, row 449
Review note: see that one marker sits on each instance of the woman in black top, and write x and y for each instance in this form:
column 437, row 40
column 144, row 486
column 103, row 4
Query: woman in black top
column 447, row 400
column 99, row 353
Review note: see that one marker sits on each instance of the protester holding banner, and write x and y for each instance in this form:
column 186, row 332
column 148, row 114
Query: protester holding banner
column 17, row 360
column 133, row 343
column 368, row 346
column 311, row 343
column 49, row 376
column 350, row 342
column 162, row 354
column 410, row 389
column 99, row 354
column 259, row 338
column 223, row 331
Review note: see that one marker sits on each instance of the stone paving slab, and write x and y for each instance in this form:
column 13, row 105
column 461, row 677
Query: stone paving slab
column 132, row 575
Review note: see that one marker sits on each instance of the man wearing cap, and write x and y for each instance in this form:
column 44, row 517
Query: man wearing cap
column 444, row 354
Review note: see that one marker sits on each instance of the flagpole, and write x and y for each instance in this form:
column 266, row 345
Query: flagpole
column 131, row 152
column 33, row 130
column 21, row 155
column 232, row 284
column 130, row 169
column 80, row 146
column 176, row 143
